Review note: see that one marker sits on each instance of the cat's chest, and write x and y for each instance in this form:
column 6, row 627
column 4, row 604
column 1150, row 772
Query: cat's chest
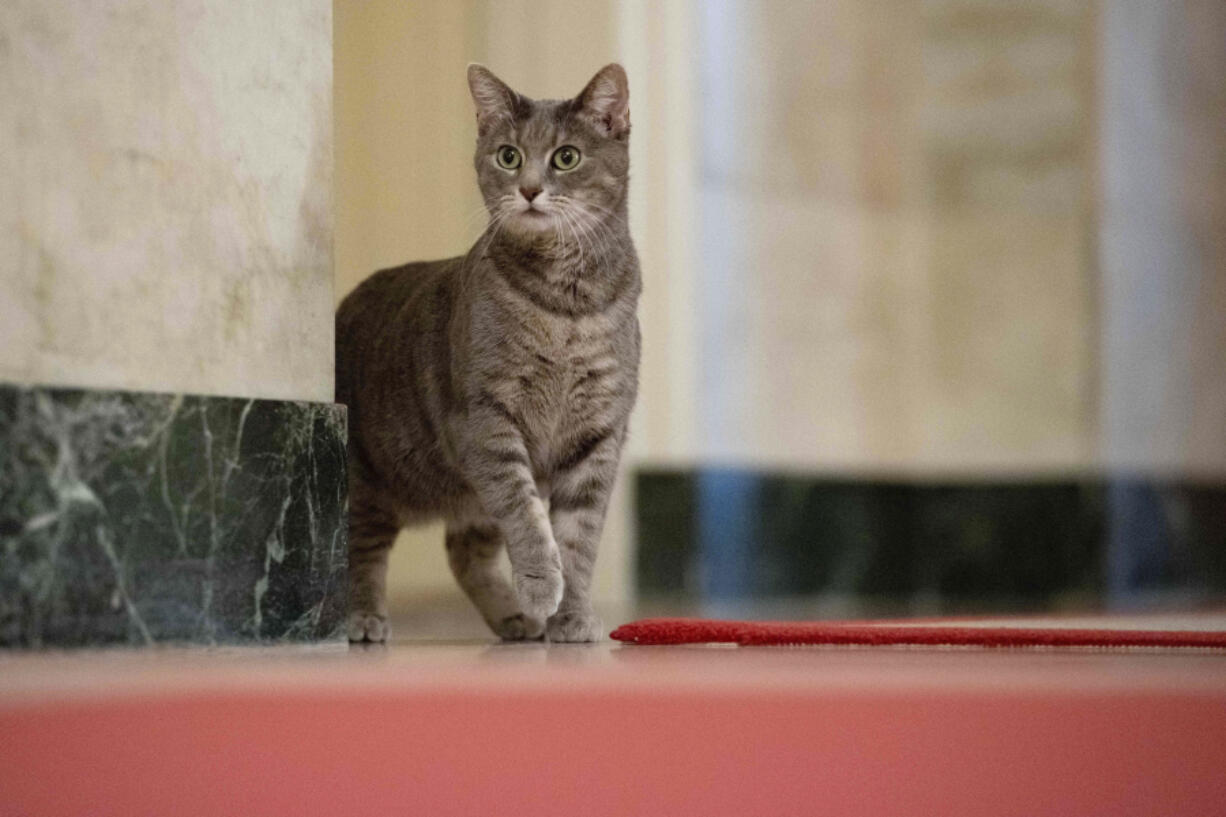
column 551, row 372
column 569, row 378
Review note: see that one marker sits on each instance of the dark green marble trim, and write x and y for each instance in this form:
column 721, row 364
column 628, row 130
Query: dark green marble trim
column 133, row 518
column 731, row 535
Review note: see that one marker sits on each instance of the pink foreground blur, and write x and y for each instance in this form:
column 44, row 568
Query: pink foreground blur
column 630, row 730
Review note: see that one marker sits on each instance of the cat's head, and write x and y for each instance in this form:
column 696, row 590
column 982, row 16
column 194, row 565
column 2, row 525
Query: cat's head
column 553, row 167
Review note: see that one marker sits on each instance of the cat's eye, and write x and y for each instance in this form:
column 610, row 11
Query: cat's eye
column 566, row 157
column 508, row 157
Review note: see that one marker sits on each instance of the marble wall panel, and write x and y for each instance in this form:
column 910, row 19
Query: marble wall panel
column 134, row 518
column 166, row 195
column 842, row 547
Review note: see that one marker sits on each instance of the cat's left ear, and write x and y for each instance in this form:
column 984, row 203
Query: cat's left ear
column 605, row 102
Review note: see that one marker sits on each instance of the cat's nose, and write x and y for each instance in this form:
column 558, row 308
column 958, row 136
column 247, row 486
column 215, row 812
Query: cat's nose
column 529, row 193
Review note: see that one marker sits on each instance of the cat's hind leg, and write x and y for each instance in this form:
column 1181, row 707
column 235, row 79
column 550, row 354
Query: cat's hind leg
column 472, row 552
column 372, row 530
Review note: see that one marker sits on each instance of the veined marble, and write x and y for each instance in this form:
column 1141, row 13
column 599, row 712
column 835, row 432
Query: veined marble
column 852, row 546
column 133, row 518
column 166, row 195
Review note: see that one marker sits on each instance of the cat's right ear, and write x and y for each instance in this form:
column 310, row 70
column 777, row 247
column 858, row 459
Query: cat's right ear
column 494, row 100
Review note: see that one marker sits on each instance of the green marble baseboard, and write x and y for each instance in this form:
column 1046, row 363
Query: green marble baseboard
column 905, row 545
column 134, row 518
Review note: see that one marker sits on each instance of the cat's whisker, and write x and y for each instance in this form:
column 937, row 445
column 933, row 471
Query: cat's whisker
column 561, row 226
column 590, row 229
column 575, row 229
column 600, row 227
column 480, row 211
column 594, row 223
column 476, row 223
column 593, row 239
column 579, row 251
column 588, row 205
column 596, row 247
column 482, row 216
column 497, row 220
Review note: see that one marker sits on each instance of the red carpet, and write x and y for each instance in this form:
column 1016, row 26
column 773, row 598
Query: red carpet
column 755, row 633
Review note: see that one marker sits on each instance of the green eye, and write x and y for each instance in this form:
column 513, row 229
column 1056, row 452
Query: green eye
column 508, row 157
column 566, row 157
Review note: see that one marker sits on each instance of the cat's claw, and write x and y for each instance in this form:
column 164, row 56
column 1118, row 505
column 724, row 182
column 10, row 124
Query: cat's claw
column 519, row 628
column 539, row 593
column 368, row 627
column 574, row 627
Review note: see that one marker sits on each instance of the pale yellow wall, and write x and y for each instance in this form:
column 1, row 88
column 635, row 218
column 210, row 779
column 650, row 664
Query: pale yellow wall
column 963, row 236
column 404, row 184
column 166, row 195
column 899, row 219
column 1163, row 239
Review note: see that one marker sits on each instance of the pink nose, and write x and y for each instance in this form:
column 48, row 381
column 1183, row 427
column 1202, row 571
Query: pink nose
column 529, row 193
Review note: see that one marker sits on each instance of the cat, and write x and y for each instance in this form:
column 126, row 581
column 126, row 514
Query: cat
column 493, row 389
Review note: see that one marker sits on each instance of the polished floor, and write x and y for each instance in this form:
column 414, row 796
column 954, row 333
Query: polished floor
column 467, row 725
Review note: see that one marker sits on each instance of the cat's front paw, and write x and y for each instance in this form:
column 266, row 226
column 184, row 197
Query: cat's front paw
column 575, row 626
column 539, row 592
column 365, row 626
column 519, row 628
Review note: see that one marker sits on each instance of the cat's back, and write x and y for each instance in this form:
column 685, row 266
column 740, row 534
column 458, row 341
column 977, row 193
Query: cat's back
column 389, row 303
column 387, row 292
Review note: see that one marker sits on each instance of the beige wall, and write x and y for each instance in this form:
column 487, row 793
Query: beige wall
column 166, row 195
column 897, row 236
column 1163, row 238
column 967, row 236
column 404, row 187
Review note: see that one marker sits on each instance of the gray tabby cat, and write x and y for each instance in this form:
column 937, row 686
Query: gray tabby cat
column 493, row 389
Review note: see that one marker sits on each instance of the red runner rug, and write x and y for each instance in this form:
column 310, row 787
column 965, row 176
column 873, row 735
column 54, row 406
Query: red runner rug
column 754, row 633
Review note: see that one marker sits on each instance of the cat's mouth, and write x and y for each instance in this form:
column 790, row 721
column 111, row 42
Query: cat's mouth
column 536, row 218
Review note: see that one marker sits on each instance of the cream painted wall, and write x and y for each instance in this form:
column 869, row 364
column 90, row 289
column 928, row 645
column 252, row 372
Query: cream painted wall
column 404, row 187
column 962, row 236
column 898, row 236
column 1163, row 237
column 166, row 195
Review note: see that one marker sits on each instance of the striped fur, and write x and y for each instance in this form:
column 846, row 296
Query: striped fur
column 493, row 389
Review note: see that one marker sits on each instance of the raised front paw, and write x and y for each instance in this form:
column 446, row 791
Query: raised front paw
column 539, row 592
column 574, row 626
column 519, row 628
column 364, row 626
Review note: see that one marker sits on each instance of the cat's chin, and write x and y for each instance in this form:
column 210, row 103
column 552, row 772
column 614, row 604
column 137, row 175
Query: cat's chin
column 534, row 223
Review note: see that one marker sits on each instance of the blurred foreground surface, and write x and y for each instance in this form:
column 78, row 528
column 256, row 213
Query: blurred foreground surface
column 468, row 725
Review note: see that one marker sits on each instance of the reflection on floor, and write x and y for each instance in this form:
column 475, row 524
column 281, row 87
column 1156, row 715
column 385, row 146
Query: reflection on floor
column 467, row 725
